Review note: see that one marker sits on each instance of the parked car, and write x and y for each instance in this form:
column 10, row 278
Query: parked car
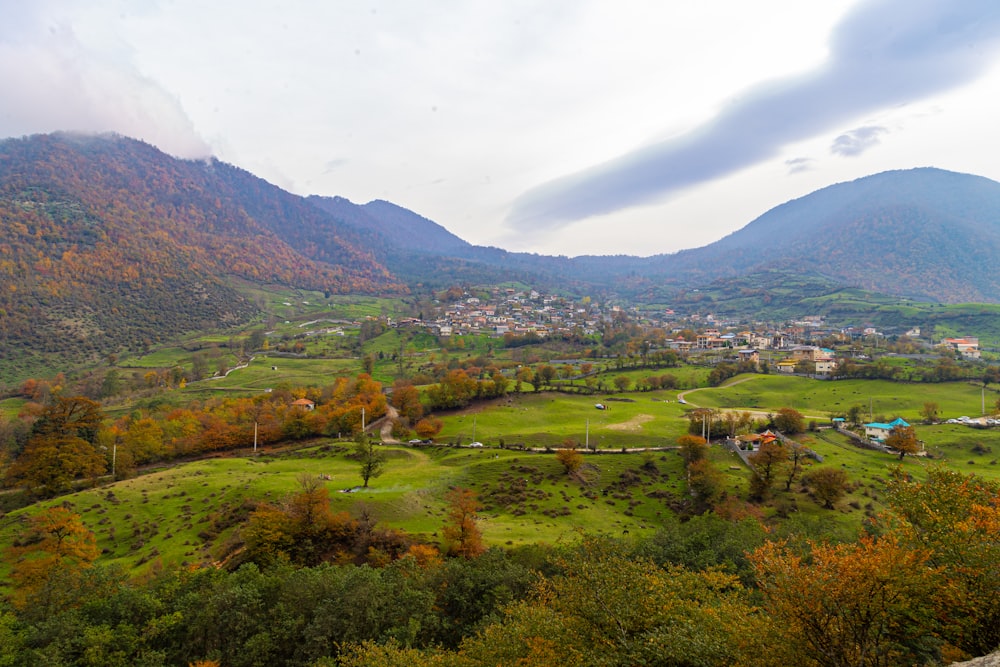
column 475, row 444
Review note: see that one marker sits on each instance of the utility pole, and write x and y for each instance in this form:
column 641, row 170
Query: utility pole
column 255, row 437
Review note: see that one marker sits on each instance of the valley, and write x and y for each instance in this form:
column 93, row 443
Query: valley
column 226, row 410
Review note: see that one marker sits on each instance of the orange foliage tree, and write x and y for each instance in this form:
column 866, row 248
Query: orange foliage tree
column 869, row 604
column 48, row 560
column 462, row 535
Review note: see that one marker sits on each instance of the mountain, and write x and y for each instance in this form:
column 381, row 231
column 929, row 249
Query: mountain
column 925, row 233
column 107, row 244
column 400, row 227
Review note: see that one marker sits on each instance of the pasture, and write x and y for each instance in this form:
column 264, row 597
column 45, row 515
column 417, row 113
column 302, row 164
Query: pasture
column 548, row 419
column 768, row 393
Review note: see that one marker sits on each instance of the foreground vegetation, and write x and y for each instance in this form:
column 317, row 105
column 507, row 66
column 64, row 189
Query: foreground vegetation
column 918, row 588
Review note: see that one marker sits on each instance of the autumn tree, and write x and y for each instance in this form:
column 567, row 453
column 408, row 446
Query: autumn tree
column 930, row 412
column 406, row 399
column 428, row 427
column 956, row 519
column 570, row 458
column 461, row 534
column 828, row 485
column 904, row 440
column 51, row 463
column 621, row 382
column 54, row 550
column 523, row 375
column 301, row 529
column 869, row 604
column 789, row 420
column 692, row 448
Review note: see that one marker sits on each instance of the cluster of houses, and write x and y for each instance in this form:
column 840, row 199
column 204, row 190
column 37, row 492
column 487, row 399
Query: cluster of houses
column 509, row 311
column 514, row 312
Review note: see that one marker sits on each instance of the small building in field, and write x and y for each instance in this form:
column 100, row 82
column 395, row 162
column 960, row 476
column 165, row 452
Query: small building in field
column 786, row 366
column 878, row 431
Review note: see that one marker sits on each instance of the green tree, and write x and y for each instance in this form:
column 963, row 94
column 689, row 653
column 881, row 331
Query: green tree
column 371, row 459
column 767, row 462
column 930, row 412
column 705, row 483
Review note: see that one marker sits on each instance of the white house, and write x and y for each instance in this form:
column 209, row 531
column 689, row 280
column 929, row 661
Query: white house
column 878, row 431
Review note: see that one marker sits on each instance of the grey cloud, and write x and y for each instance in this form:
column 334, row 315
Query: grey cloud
column 797, row 165
column 857, row 141
column 885, row 53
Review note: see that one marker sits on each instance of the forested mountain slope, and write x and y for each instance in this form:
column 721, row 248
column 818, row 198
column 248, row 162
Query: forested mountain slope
column 106, row 243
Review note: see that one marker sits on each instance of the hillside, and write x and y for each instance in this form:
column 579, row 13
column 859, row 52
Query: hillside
column 924, row 233
column 107, row 244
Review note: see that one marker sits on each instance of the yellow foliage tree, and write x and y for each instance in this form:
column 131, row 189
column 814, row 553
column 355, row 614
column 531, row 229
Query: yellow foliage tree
column 55, row 549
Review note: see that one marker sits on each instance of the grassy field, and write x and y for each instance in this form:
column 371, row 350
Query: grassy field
column 10, row 407
column 185, row 514
column 548, row 419
column 818, row 397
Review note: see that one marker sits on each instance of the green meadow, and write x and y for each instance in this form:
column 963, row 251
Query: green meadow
column 828, row 398
column 187, row 514
column 548, row 419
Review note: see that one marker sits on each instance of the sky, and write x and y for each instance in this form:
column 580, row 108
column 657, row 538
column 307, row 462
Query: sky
column 562, row 127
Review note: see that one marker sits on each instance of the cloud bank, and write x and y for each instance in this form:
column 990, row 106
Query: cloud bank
column 56, row 78
column 884, row 53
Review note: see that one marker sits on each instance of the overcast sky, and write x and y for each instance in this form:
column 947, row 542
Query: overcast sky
column 554, row 126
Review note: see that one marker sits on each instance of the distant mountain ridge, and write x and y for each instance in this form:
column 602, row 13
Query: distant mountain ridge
column 106, row 243
column 924, row 233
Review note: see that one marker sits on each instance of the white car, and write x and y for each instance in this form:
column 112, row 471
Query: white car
column 475, row 444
